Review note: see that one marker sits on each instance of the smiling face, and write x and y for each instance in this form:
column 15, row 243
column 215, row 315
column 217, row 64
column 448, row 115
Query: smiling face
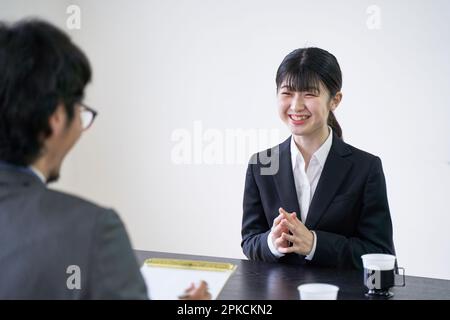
column 305, row 112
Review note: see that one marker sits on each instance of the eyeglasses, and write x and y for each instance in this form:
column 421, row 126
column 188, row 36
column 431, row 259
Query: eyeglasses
column 87, row 116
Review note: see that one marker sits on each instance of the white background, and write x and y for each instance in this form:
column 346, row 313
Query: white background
column 161, row 65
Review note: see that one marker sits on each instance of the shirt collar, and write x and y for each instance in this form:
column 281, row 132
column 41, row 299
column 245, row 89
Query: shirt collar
column 38, row 174
column 321, row 154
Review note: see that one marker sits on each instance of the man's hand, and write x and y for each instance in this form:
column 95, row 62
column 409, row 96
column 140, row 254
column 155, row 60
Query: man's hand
column 301, row 237
column 196, row 293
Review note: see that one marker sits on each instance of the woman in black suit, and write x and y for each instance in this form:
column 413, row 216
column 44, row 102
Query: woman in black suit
column 326, row 202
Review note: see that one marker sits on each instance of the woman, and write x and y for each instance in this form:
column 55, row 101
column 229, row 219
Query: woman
column 326, row 204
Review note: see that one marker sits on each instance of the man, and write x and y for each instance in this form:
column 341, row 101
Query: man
column 46, row 237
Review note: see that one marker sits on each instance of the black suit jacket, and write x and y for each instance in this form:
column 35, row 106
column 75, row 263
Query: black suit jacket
column 349, row 211
column 43, row 232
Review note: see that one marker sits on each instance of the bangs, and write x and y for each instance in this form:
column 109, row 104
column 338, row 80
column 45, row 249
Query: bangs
column 300, row 81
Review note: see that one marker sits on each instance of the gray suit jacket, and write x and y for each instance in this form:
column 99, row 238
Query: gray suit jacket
column 44, row 232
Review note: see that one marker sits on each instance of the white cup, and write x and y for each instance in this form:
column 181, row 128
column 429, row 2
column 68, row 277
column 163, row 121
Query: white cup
column 318, row 291
column 378, row 261
column 379, row 274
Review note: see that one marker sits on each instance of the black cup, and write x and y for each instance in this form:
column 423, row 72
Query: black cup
column 379, row 282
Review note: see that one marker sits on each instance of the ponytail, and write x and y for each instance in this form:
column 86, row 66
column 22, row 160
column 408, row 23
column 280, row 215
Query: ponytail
column 334, row 124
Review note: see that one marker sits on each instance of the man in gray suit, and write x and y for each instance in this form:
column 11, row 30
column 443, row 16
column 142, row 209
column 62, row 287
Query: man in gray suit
column 53, row 245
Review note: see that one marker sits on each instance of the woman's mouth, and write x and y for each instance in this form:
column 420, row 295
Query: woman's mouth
column 298, row 119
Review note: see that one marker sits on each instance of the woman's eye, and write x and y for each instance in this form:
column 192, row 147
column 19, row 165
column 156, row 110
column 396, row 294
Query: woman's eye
column 285, row 93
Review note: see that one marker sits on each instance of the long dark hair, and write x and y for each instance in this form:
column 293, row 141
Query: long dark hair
column 304, row 69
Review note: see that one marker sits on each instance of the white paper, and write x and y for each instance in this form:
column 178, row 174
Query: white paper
column 169, row 283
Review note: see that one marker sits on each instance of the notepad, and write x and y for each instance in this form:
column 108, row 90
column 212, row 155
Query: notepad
column 167, row 279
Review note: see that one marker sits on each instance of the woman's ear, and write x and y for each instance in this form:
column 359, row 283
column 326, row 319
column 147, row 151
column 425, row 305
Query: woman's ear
column 334, row 103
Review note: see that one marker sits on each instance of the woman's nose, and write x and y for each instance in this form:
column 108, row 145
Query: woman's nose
column 297, row 104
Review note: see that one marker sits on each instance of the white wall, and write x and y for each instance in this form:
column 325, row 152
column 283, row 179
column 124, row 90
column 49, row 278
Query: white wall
column 52, row 10
column 160, row 66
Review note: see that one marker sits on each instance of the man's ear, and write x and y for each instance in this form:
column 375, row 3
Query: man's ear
column 57, row 120
column 335, row 101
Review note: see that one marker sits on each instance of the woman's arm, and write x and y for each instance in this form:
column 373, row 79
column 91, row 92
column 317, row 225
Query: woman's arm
column 373, row 231
column 255, row 228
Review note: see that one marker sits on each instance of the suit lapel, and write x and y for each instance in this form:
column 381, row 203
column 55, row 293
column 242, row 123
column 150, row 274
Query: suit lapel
column 284, row 180
column 334, row 172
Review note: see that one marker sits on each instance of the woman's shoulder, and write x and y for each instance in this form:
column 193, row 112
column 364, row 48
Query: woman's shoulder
column 357, row 152
column 261, row 156
column 340, row 146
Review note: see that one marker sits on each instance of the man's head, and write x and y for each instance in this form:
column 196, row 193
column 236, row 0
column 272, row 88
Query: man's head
column 42, row 80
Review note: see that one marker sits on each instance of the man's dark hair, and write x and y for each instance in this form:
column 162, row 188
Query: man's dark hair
column 40, row 68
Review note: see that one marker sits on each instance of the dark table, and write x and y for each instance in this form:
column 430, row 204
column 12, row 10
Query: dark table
column 256, row 280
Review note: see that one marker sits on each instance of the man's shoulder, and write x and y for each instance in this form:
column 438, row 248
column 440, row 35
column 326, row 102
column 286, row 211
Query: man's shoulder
column 55, row 200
